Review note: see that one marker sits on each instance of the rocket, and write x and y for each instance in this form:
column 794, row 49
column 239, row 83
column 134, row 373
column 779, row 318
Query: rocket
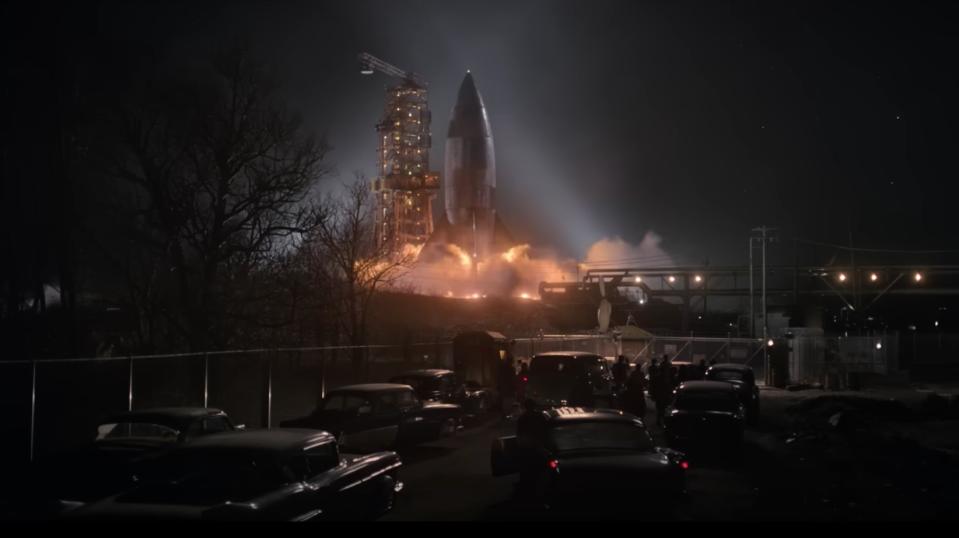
column 469, row 180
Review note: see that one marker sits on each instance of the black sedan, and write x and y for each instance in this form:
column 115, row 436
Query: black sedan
column 706, row 415
column 440, row 385
column 380, row 415
column 274, row 475
column 742, row 377
column 589, row 459
column 65, row 480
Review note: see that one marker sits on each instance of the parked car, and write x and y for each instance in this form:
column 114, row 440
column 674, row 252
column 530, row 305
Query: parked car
column 581, row 458
column 743, row 378
column 438, row 385
column 570, row 378
column 66, row 480
column 276, row 475
column 380, row 415
column 705, row 414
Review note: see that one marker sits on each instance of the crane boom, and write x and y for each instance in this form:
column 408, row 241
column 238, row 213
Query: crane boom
column 370, row 63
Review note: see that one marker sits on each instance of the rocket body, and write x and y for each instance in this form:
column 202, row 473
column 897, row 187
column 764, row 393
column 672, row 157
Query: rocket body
column 470, row 173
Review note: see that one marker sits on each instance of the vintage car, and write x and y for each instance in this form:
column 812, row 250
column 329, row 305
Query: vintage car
column 65, row 480
column 706, row 415
column 581, row 458
column 438, row 385
column 570, row 378
column 380, row 415
column 742, row 377
column 273, row 475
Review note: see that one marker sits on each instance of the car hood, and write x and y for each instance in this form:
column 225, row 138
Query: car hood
column 440, row 405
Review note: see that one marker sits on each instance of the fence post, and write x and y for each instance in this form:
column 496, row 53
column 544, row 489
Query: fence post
column 206, row 379
column 269, row 390
column 323, row 357
column 33, row 406
column 130, row 387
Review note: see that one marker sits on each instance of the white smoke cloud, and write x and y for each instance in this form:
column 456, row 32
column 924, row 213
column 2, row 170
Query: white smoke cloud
column 519, row 271
column 616, row 253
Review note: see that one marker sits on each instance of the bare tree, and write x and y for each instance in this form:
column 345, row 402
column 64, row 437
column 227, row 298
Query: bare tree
column 345, row 253
column 219, row 175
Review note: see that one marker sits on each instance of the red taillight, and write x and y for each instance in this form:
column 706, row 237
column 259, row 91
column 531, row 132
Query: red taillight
column 684, row 465
column 525, row 379
column 553, row 464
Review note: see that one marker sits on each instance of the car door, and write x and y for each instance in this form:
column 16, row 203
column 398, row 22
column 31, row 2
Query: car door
column 416, row 423
column 368, row 425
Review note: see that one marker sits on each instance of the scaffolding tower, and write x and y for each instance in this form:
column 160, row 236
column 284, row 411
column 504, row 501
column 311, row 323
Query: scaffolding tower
column 404, row 187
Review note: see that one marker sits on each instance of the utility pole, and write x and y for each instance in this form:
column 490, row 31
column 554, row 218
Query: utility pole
column 752, row 302
column 764, row 230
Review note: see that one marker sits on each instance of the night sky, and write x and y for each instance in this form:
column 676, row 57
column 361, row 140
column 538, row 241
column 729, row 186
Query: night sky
column 698, row 120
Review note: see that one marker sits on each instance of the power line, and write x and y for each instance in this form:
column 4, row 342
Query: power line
column 876, row 250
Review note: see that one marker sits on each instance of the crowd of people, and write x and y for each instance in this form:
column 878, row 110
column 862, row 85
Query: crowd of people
column 659, row 381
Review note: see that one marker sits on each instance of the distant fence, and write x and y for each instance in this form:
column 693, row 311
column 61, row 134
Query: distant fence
column 49, row 405
column 52, row 404
column 830, row 360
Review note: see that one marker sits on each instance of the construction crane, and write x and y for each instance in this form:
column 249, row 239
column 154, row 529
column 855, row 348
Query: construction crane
column 369, row 64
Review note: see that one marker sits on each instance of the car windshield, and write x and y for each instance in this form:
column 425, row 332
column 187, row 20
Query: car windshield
column 556, row 365
column 706, row 401
column 116, row 431
column 726, row 375
column 419, row 383
column 600, row 436
column 206, row 477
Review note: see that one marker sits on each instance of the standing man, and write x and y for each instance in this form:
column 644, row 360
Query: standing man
column 507, row 384
column 663, row 390
column 636, row 392
column 620, row 372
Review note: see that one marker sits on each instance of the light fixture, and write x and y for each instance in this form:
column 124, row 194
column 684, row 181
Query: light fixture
column 698, row 278
column 638, row 280
column 873, row 277
column 671, row 279
column 917, row 277
column 770, row 343
column 842, row 277
column 878, row 345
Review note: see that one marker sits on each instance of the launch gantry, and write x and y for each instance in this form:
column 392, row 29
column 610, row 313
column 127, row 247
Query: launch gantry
column 404, row 187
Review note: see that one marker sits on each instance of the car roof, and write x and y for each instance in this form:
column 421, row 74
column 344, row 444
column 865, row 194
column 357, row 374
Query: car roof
column 730, row 366
column 425, row 372
column 562, row 415
column 570, row 354
column 371, row 387
column 705, row 386
column 166, row 415
column 276, row 440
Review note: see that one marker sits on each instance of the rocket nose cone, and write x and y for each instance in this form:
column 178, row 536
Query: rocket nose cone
column 469, row 114
column 468, row 95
